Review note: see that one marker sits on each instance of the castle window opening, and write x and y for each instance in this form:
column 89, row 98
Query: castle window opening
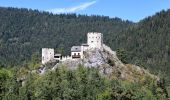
column 56, row 56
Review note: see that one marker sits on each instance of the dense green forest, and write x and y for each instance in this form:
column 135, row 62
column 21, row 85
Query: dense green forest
column 147, row 43
column 23, row 32
column 80, row 84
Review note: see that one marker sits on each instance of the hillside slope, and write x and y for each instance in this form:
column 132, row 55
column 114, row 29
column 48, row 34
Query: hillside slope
column 148, row 43
column 108, row 64
column 24, row 32
column 103, row 72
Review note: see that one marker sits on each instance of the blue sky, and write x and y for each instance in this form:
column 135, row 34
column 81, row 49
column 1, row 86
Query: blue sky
column 133, row 10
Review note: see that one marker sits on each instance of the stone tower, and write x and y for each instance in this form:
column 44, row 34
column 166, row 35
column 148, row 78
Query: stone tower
column 95, row 40
column 47, row 55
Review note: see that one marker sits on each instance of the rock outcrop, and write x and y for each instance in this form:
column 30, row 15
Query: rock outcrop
column 109, row 65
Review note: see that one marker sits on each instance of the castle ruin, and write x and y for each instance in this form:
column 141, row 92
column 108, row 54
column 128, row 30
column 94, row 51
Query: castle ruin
column 94, row 41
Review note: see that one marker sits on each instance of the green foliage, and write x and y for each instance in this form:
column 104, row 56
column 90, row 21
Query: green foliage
column 24, row 32
column 122, row 55
column 80, row 84
column 4, row 73
column 34, row 63
column 147, row 43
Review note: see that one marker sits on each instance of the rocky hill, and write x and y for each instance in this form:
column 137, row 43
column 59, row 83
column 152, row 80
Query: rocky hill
column 109, row 65
column 23, row 32
column 100, row 75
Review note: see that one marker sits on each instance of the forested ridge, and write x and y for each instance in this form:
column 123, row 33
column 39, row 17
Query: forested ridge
column 148, row 43
column 23, row 32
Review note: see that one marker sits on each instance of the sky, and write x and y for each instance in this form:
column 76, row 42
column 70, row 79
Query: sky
column 133, row 10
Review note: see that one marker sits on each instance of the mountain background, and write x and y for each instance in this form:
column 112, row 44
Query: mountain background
column 23, row 32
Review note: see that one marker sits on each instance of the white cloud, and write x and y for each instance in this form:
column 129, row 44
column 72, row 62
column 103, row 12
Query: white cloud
column 72, row 9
